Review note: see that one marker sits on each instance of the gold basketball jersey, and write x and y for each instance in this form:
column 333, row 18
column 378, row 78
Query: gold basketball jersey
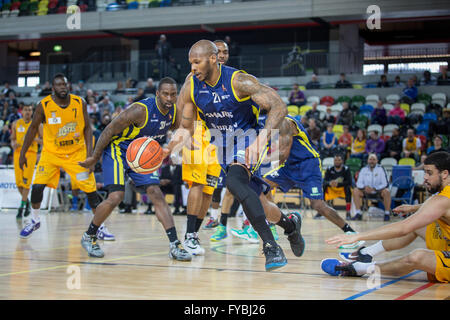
column 63, row 127
column 21, row 131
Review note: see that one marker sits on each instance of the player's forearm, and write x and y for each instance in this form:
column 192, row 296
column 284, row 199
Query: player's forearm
column 88, row 140
column 29, row 137
column 390, row 231
column 103, row 141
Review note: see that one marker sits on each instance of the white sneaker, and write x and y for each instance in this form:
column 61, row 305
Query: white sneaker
column 104, row 234
column 192, row 245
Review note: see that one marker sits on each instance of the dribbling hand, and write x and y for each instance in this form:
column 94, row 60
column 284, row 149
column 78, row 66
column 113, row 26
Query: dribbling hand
column 22, row 161
column 89, row 163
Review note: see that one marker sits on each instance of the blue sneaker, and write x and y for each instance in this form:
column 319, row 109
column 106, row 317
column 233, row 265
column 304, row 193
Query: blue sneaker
column 274, row 232
column 211, row 224
column 74, row 206
column 104, row 234
column 274, row 257
column 221, row 233
column 335, row 268
column 29, row 228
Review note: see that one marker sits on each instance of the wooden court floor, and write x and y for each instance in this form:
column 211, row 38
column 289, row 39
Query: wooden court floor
column 52, row 265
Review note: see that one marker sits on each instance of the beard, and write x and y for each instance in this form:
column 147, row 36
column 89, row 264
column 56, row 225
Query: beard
column 61, row 95
column 437, row 188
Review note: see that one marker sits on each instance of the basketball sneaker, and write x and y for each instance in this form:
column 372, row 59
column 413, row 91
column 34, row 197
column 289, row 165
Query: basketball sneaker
column 29, row 229
column 295, row 237
column 89, row 243
column 354, row 245
column 192, row 244
column 212, row 223
column 274, row 256
column 274, row 231
column 221, row 233
column 335, row 268
column 356, row 256
column 177, row 252
column 247, row 233
column 104, row 234
column 27, row 209
column 19, row 213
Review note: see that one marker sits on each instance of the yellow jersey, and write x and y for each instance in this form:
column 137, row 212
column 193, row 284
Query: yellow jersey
column 63, row 127
column 359, row 146
column 21, row 131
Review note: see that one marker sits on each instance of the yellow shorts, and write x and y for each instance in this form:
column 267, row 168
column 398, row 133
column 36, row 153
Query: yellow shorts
column 48, row 171
column 334, row 193
column 439, row 241
column 205, row 172
column 25, row 176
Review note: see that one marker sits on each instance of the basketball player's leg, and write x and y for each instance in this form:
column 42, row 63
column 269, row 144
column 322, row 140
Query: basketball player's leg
column 23, row 181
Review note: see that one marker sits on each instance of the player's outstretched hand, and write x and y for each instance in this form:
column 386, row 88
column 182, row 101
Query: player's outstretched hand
column 22, row 161
column 89, row 163
column 342, row 239
column 404, row 209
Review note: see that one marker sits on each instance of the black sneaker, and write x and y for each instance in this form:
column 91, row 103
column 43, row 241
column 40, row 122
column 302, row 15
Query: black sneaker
column 348, row 216
column 27, row 209
column 127, row 209
column 19, row 213
column 356, row 256
column 295, row 237
column 274, row 256
column 357, row 217
column 347, row 270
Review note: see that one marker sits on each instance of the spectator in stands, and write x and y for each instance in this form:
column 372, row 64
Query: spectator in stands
column 443, row 79
column 437, row 145
column 6, row 90
column 119, row 88
column 5, row 144
column 92, row 107
column 106, row 119
column 411, row 146
column 4, row 111
column 329, row 141
column 383, row 83
column 296, row 97
column 304, row 121
column 375, row 144
column 397, row 83
column 372, row 182
column 171, row 182
column 130, row 101
column 442, row 125
column 46, row 90
column 415, row 80
column 346, row 115
column 90, row 93
column 106, row 106
column 233, row 47
column 346, row 139
column 140, row 95
column 131, row 83
column 80, row 89
column 14, row 115
column 337, row 183
column 428, row 79
column 394, row 146
column 396, row 115
column 359, row 144
column 314, row 83
column 410, row 92
column 313, row 113
column 163, row 51
column 150, row 87
column 329, row 117
column 379, row 114
column 100, row 98
column 36, row 90
column 12, row 101
column 342, row 82
column 313, row 132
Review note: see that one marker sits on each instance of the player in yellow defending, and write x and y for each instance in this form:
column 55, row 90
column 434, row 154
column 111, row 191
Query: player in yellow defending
column 431, row 222
column 67, row 140
column 24, row 177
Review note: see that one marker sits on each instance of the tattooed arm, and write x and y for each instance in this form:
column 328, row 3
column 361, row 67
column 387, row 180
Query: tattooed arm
column 248, row 86
column 133, row 115
column 283, row 143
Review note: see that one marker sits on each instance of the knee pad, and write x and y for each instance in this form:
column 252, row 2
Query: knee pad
column 237, row 182
column 217, row 195
column 93, row 199
column 37, row 193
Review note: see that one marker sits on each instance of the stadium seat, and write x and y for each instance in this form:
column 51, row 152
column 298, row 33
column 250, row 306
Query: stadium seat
column 357, row 86
column 327, row 163
column 402, row 190
column 360, row 121
column 312, row 99
column 327, row 100
column 388, row 107
column 343, row 99
column 428, row 117
column 354, row 164
column 375, row 127
column 388, row 164
column 422, row 129
column 33, row 8
column 418, row 106
column 366, row 109
column 389, row 128
column 407, row 162
column 423, row 141
column 322, row 108
column 293, row 110
column 405, row 107
column 338, row 130
column 401, row 171
column 385, row 138
column 392, row 98
column 336, row 107
column 304, row 109
column 372, row 97
column 439, row 98
column 358, row 101
column 424, row 98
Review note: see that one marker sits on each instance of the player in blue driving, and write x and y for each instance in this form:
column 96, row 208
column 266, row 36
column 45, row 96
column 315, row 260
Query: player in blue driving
column 151, row 117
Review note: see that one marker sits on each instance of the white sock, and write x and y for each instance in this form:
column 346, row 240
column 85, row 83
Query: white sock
column 214, row 213
column 374, row 249
column 35, row 214
column 387, row 212
column 361, row 268
column 358, row 211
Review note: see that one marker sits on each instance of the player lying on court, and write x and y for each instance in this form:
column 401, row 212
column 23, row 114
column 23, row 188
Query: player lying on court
column 229, row 101
column 431, row 222
column 67, row 140
column 151, row 117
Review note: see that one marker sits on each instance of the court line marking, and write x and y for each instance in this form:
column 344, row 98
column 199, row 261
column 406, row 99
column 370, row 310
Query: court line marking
column 413, row 292
column 363, row 293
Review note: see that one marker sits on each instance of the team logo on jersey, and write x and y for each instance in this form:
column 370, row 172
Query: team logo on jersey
column 68, row 128
column 21, row 129
column 54, row 119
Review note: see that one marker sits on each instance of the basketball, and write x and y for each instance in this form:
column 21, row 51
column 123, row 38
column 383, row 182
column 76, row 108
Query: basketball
column 144, row 155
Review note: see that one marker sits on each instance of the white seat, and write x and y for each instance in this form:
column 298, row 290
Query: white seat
column 327, row 162
column 439, row 96
column 418, row 107
column 372, row 103
column 322, row 115
column 439, row 102
column 388, row 107
column 389, row 128
column 388, row 162
column 375, row 127
column 337, row 107
column 312, row 99
column 322, row 108
column 392, row 98
column 372, row 97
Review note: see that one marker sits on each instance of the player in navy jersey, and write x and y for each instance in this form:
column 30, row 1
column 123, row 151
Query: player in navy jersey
column 151, row 117
column 229, row 102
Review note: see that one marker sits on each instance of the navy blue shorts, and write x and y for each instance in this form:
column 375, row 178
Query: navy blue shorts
column 115, row 167
column 305, row 175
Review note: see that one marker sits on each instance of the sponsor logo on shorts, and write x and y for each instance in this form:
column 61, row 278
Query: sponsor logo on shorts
column 315, row 191
column 82, row 176
column 211, row 181
column 446, row 254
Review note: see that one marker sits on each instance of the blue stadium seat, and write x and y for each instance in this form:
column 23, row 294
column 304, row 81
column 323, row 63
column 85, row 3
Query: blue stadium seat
column 401, row 171
column 366, row 109
column 428, row 117
column 133, row 5
column 422, row 129
column 402, row 190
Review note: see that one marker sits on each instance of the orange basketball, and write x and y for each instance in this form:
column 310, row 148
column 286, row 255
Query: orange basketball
column 144, row 155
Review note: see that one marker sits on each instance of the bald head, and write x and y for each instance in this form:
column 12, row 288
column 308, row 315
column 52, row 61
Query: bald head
column 203, row 48
column 204, row 60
